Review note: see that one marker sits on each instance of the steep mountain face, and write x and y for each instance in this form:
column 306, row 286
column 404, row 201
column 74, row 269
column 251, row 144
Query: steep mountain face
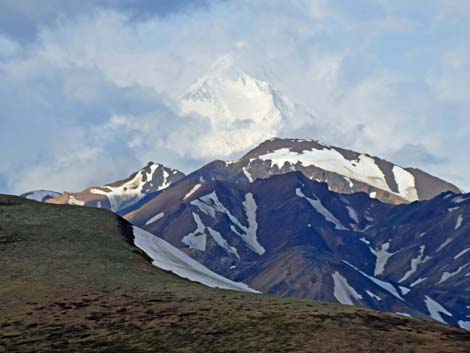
column 343, row 170
column 124, row 194
column 40, row 195
column 292, row 236
column 75, row 280
column 241, row 110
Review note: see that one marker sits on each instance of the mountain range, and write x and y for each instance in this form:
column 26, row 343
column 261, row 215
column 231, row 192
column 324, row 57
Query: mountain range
column 297, row 217
column 303, row 219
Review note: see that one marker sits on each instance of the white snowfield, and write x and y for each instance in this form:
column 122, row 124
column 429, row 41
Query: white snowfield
column 155, row 218
column 418, row 281
column 321, row 209
column 353, row 215
column 372, row 295
column 435, row 309
column 403, row 314
column 463, row 252
column 446, row 275
column 167, row 257
column 198, row 238
column 74, row 201
column 131, row 192
column 404, row 290
column 444, row 244
column 364, row 169
column 415, row 262
column 192, row 191
column 460, row 199
column 382, row 256
column 210, row 204
column 250, row 232
column 459, row 222
column 464, row 324
column 247, row 174
column 343, row 292
column 385, row 285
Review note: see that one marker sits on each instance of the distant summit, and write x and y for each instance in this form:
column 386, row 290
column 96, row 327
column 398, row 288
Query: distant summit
column 123, row 194
column 242, row 110
column 344, row 171
column 40, row 195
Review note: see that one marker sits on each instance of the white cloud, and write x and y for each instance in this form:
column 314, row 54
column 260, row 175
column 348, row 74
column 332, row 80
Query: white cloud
column 101, row 87
column 8, row 47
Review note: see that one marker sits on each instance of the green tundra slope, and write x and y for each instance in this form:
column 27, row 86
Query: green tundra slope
column 71, row 281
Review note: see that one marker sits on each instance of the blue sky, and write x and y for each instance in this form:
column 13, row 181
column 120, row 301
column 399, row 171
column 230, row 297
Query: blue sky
column 88, row 91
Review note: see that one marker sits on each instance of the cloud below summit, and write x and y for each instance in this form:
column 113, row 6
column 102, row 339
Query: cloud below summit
column 92, row 93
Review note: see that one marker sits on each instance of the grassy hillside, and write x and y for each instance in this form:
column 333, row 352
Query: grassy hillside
column 72, row 282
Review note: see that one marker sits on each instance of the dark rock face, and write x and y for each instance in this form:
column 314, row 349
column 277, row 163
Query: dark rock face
column 292, row 236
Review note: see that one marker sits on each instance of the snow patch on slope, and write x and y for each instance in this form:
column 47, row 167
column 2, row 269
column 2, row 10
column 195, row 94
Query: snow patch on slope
column 343, row 292
column 131, row 191
column 364, row 169
column 353, row 214
column 197, row 239
column 372, row 295
column 406, row 183
column 385, row 285
column 250, row 233
column 404, row 290
column 74, row 201
column 155, row 218
column 444, row 244
column 247, row 174
column 460, row 199
column 418, row 281
column 446, row 275
column 318, row 206
column 210, row 204
column 415, row 262
column 435, row 309
column 464, row 324
column 382, row 256
column 463, row 252
column 222, row 242
column 192, row 191
column 167, row 257
column 459, row 222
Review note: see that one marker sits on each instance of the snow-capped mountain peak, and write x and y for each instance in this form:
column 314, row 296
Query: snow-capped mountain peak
column 242, row 110
column 224, row 67
column 125, row 193
column 344, row 170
